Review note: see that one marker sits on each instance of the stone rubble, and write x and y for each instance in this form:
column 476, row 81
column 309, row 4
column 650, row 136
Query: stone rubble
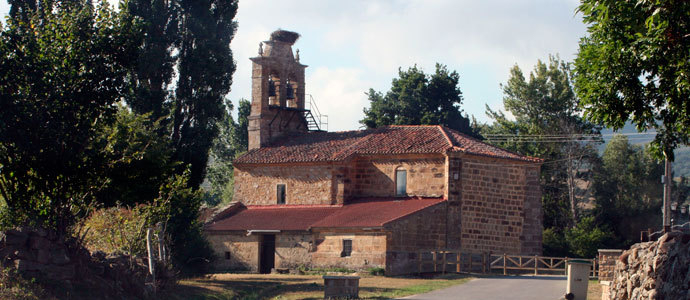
column 654, row 270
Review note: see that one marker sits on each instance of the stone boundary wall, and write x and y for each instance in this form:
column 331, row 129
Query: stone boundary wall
column 654, row 270
column 607, row 263
column 37, row 253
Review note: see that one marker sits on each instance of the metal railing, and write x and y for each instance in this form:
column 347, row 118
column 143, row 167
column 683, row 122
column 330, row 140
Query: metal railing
column 321, row 120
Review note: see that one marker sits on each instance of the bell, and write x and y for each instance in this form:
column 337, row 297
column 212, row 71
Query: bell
column 289, row 91
column 271, row 88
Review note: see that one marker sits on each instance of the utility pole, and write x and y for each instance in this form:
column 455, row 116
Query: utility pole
column 667, row 195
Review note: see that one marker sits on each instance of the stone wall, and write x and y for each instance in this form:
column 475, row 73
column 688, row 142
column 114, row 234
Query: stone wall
column 654, row 270
column 374, row 176
column 501, row 206
column 410, row 234
column 293, row 250
column 305, row 184
column 243, row 250
column 607, row 263
column 368, row 249
column 67, row 269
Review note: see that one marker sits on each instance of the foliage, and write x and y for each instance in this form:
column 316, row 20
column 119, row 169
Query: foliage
column 15, row 287
column 177, row 210
column 586, row 238
column 416, row 98
column 231, row 141
column 627, row 190
column 376, row 271
column 146, row 162
column 546, row 106
column 554, row 243
column 634, row 64
column 62, row 69
column 117, row 230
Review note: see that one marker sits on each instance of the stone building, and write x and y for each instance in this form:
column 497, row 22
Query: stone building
column 365, row 198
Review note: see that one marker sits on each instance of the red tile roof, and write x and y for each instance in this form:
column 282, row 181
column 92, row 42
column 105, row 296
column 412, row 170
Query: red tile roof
column 357, row 214
column 338, row 146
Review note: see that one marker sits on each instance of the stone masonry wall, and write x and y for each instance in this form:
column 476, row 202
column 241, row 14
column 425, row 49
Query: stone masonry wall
column 293, row 250
column 654, row 270
column 425, row 230
column 501, row 207
column 607, row 263
column 244, row 251
column 368, row 249
column 374, row 176
column 305, row 184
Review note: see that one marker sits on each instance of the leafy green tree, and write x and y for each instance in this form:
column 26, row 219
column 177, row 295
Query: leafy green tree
column 230, row 142
column 634, row 66
column 627, row 190
column 62, row 69
column 547, row 124
column 190, row 39
column 416, row 98
column 586, row 238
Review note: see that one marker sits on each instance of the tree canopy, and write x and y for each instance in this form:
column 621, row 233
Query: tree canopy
column 62, row 70
column 416, row 98
column 634, row 65
column 546, row 124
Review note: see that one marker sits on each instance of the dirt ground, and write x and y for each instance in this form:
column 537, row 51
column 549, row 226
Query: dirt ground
column 278, row 286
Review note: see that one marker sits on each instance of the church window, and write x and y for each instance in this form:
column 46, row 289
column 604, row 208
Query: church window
column 347, row 248
column 400, row 182
column 280, row 193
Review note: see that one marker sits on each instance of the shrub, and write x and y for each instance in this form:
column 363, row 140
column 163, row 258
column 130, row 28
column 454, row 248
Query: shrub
column 119, row 230
column 376, row 271
column 585, row 238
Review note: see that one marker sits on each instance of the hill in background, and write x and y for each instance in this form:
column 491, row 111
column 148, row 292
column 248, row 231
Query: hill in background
column 681, row 165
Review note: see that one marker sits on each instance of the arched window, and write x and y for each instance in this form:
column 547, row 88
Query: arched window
column 271, row 87
column 400, row 182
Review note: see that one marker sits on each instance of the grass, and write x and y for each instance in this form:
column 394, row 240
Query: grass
column 279, row 286
column 594, row 290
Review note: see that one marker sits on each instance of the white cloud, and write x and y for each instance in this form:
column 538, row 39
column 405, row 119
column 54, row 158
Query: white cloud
column 339, row 93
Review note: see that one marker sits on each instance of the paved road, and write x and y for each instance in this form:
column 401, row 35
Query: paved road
column 499, row 288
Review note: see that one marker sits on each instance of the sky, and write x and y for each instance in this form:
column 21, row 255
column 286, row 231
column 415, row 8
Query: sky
column 352, row 46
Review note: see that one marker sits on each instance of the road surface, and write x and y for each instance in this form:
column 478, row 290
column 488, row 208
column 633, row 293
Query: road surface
column 499, row 288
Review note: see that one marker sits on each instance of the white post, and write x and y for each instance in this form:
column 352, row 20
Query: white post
column 667, row 196
column 149, row 247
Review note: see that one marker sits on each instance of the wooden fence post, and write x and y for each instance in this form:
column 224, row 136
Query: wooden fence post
column 434, row 260
column 458, row 262
column 484, row 262
column 505, row 271
column 444, row 262
column 419, row 258
column 535, row 265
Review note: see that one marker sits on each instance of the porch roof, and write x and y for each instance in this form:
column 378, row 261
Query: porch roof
column 361, row 213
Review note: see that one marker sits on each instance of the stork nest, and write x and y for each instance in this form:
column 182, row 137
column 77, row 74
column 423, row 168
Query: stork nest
column 284, row 36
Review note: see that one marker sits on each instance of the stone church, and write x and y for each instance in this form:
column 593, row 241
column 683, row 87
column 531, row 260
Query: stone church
column 364, row 198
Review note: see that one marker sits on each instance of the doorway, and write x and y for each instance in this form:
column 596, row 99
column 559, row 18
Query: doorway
column 267, row 253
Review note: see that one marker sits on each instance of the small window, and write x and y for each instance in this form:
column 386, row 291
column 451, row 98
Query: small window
column 280, row 191
column 347, row 248
column 227, row 255
column 400, row 182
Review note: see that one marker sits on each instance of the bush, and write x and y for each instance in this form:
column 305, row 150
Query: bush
column 554, row 243
column 376, row 271
column 586, row 238
column 177, row 210
column 118, row 230
column 14, row 286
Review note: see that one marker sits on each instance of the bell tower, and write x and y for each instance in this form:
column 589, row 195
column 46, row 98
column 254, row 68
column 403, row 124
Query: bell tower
column 277, row 106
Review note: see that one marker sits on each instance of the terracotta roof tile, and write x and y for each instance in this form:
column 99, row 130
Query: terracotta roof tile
column 357, row 214
column 338, row 146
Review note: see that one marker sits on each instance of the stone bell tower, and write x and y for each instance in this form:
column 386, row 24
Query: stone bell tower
column 277, row 91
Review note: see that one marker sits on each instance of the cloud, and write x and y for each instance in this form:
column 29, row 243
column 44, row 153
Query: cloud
column 339, row 93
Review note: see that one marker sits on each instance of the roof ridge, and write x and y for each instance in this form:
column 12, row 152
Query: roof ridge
column 353, row 145
column 445, row 134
